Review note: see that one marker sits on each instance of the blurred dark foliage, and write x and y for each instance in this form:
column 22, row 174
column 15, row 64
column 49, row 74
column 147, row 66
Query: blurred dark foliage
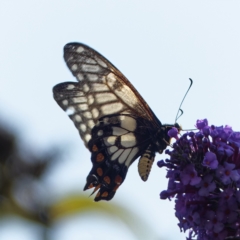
column 22, row 190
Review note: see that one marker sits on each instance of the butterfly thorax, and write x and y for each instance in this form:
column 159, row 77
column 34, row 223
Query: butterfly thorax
column 162, row 139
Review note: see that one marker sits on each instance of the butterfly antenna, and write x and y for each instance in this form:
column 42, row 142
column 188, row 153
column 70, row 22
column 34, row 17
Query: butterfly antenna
column 179, row 109
column 180, row 114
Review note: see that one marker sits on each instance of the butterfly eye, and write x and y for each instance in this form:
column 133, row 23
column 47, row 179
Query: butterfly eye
column 113, row 120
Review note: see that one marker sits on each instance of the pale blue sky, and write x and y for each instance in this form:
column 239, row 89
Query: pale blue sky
column 157, row 45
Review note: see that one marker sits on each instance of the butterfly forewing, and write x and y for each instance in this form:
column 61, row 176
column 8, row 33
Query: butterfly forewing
column 98, row 76
column 114, row 121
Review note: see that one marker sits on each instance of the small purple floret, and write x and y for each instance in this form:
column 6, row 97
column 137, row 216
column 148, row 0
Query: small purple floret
column 206, row 186
column 226, row 173
column 173, row 133
column 189, row 176
column 210, row 160
column 201, row 124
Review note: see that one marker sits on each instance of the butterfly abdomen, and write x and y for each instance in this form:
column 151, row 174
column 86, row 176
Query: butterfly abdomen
column 145, row 163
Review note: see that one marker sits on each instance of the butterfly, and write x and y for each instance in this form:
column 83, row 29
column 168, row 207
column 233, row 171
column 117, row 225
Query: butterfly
column 114, row 121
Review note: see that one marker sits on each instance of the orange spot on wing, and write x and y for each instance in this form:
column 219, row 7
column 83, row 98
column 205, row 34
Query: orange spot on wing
column 100, row 157
column 90, row 185
column 94, row 148
column 107, row 179
column 118, row 180
column 97, row 187
column 99, row 171
column 105, row 194
column 115, row 188
column 98, row 195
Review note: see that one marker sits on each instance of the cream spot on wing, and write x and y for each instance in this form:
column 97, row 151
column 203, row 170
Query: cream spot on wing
column 103, row 79
column 131, row 156
column 128, row 140
column 65, row 102
column 85, row 88
column 74, row 67
column 70, row 86
column 90, row 60
column 87, row 137
column 110, row 140
column 116, row 154
column 77, row 118
column 90, row 68
column 90, row 124
column 128, row 123
column 80, row 77
column 111, row 80
column 70, row 110
column 82, row 107
column 100, row 133
column 92, row 77
column 80, row 49
column 105, row 97
column 112, row 149
column 101, row 62
column 126, row 112
column 83, row 127
column 95, row 112
column 117, row 131
column 99, row 87
column 122, row 117
column 124, row 155
column 87, row 115
column 90, row 99
column 79, row 99
column 111, row 108
column 78, row 94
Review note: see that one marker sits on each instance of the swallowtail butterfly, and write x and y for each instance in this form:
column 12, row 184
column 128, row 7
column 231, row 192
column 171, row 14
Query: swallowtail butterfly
column 114, row 121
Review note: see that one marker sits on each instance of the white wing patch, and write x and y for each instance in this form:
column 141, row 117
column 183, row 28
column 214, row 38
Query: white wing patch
column 78, row 118
column 128, row 123
column 119, row 142
column 128, row 140
column 131, row 156
column 109, row 109
column 80, row 49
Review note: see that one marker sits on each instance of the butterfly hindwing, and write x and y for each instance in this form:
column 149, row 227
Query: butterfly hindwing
column 113, row 120
column 117, row 140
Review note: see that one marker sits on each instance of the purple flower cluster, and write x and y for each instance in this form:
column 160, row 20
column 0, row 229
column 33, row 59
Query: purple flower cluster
column 204, row 177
